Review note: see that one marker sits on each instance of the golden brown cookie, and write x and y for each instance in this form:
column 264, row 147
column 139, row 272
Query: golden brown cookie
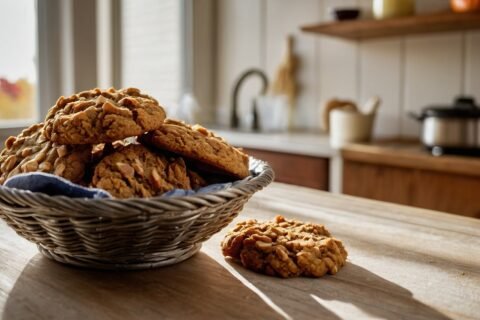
column 285, row 248
column 101, row 150
column 135, row 171
column 200, row 145
column 32, row 151
column 98, row 116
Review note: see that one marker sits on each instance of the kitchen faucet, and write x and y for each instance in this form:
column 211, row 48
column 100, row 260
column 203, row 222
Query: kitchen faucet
column 234, row 121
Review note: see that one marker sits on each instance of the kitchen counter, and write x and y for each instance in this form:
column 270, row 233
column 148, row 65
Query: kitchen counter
column 404, row 172
column 293, row 146
column 301, row 143
column 409, row 154
column 403, row 263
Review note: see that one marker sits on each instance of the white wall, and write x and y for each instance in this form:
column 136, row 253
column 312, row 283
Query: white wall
column 408, row 73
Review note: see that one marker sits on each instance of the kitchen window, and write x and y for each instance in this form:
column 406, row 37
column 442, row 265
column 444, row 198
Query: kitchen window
column 18, row 63
column 140, row 43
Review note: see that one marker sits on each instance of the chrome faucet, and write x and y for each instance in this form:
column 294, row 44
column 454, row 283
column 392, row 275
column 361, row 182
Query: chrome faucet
column 234, row 121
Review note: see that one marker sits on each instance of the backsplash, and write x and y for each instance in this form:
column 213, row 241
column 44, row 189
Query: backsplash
column 408, row 73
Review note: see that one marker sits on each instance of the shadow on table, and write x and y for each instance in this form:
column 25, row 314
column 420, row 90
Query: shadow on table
column 352, row 293
column 196, row 288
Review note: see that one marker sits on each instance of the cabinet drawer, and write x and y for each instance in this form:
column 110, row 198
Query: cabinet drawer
column 295, row 169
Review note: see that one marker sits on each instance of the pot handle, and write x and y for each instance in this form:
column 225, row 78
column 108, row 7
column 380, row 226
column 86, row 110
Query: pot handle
column 464, row 102
column 415, row 116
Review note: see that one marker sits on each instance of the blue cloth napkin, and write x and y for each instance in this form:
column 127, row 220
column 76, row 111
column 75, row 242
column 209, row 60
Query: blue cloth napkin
column 54, row 185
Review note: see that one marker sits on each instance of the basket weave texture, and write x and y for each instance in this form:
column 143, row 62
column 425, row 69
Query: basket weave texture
column 131, row 233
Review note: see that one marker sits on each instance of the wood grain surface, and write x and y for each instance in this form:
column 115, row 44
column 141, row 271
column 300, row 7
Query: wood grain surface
column 415, row 24
column 404, row 263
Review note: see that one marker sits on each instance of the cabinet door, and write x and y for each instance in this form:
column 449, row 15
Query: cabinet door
column 447, row 192
column 378, row 182
column 295, row 169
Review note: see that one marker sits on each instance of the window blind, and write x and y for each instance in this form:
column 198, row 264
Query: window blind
column 151, row 44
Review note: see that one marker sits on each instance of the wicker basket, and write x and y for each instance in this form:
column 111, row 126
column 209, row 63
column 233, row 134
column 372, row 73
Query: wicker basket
column 130, row 233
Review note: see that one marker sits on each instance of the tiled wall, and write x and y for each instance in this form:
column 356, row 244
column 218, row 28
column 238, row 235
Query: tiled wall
column 408, row 73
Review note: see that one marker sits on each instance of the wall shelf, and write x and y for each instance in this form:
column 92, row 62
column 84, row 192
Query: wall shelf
column 367, row 29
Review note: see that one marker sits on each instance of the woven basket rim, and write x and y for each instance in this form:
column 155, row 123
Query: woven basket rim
column 256, row 181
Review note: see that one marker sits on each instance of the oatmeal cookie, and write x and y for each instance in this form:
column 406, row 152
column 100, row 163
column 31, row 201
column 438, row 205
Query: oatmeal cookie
column 285, row 248
column 101, row 150
column 135, row 171
column 199, row 145
column 98, row 116
column 32, row 151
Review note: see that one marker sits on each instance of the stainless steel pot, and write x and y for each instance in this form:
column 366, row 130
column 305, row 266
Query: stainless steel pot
column 451, row 129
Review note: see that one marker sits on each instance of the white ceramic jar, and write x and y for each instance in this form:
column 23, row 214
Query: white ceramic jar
column 350, row 126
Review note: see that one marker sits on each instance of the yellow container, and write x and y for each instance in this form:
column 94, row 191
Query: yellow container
column 384, row 9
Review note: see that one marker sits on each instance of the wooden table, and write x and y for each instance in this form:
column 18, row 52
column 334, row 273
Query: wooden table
column 404, row 263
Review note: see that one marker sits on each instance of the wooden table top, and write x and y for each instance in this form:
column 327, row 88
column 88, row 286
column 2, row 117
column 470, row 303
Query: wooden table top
column 404, row 263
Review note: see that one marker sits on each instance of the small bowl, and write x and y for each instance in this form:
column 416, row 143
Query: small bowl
column 346, row 14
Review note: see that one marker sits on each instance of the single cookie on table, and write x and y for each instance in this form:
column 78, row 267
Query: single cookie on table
column 31, row 151
column 98, row 116
column 199, row 145
column 285, row 248
column 135, row 171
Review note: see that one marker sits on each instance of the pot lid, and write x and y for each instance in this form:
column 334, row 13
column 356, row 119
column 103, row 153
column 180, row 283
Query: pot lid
column 464, row 107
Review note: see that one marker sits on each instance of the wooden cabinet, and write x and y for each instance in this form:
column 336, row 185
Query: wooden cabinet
column 295, row 169
column 412, row 177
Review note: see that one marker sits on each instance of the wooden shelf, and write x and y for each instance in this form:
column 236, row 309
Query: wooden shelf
column 366, row 29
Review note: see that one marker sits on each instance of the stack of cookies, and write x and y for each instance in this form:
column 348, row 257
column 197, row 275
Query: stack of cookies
column 121, row 141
